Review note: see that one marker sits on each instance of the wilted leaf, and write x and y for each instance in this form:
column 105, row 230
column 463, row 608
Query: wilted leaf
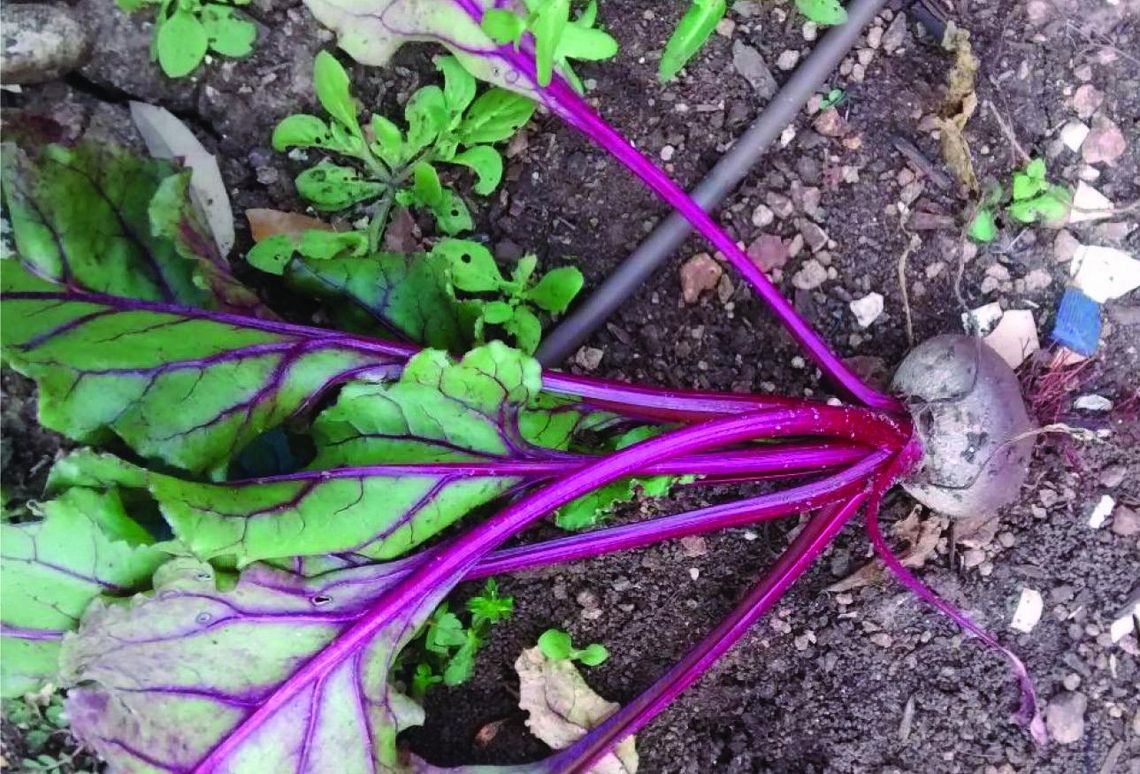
column 265, row 223
column 922, row 538
column 167, row 137
column 958, row 106
column 562, row 708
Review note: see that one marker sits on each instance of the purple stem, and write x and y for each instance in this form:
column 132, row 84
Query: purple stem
column 418, row 593
column 779, row 459
column 607, row 540
column 1027, row 714
column 562, row 98
column 808, row 544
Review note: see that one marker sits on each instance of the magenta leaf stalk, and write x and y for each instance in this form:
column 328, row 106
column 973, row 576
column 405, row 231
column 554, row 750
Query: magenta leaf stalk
column 816, row 535
column 1028, row 713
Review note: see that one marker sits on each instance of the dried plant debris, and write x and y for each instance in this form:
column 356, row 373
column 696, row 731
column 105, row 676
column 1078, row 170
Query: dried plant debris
column 958, row 106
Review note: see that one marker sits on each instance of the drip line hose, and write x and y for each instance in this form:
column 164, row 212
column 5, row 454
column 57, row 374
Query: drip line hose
column 721, row 180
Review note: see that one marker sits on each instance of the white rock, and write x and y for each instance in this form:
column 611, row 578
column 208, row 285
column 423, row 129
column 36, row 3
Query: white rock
column 788, row 59
column 1015, row 337
column 980, row 321
column 1101, row 511
column 1028, row 611
column 867, row 309
column 1073, row 135
column 1089, row 204
column 1125, row 624
column 1092, row 402
column 810, row 276
column 1104, row 273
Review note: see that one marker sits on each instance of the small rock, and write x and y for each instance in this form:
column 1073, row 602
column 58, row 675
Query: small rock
column 1112, row 476
column 1101, row 511
column 1089, row 204
column 875, row 37
column 922, row 220
column 788, row 59
column 1064, row 246
column 667, row 153
column 748, row 62
column 725, row 27
column 768, row 252
column 1073, row 135
column 781, row 205
column 763, row 216
column 796, row 246
column 895, row 35
column 589, row 358
column 882, row 639
column 698, row 274
column 829, row 123
column 810, row 30
column 693, row 546
column 40, row 42
column 1065, row 717
column 1104, row 273
column 1105, row 143
column 1028, row 612
column 1071, row 681
column 1086, row 100
column 867, row 309
column 587, row 599
column 805, row 198
column 1092, row 402
column 810, row 276
column 815, row 236
column 1038, row 279
column 973, row 557
column 746, row 8
column 1038, row 12
column 1125, row 522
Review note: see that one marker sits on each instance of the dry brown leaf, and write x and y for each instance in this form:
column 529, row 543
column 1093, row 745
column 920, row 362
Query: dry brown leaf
column 266, row 223
column 562, row 708
column 958, row 106
column 976, row 531
column 402, row 234
column 922, row 538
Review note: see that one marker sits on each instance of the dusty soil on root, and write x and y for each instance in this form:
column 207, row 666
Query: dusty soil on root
column 868, row 681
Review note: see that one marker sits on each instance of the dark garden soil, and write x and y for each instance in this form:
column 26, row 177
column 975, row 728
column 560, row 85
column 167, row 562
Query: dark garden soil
column 869, row 680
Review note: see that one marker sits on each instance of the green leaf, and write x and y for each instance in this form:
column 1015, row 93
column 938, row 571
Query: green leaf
column 982, row 228
column 330, row 187
column 1026, row 185
column 488, row 607
column 190, row 390
column 423, row 679
column 461, row 665
column 555, row 644
column 330, row 81
column 556, row 289
column 93, row 217
column 591, row 655
column 426, row 114
column 497, row 312
column 526, row 329
column 229, row 33
column 494, row 116
column 85, row 545
column 521, row 274
column 273, row 253
column 487, row 164
column 586, row 44
column 503, row 26
column 301, row 130
column 458, row 85
column 471, row 266
column 426, row 186
column 444, row 632
column 823, row 12
column 451, row 214
column 547, row 24
column 1036, row 169
column 692, row 31
column 384, row 293
column 181, row 43
column 389, row 144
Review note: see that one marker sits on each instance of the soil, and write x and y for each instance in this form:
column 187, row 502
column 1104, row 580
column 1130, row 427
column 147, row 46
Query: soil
column 871, row 680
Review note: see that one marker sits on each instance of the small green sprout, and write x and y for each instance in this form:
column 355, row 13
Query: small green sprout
column 826, row 13
column 388, row 165
column 1033, row 199
column 556, row 645
column 832, row 98
column 185, row 30
column 557, row 38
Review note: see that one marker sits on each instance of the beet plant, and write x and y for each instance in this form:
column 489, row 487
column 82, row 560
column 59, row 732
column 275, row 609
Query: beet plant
column 208, row 620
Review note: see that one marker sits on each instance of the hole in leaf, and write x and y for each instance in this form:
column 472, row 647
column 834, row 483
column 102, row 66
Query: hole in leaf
column 320, row 600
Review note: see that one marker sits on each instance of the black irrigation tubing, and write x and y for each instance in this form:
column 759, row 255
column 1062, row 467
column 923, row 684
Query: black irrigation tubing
column 745, row 153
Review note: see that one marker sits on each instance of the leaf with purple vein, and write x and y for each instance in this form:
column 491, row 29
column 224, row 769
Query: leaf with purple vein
column 187, row 388
column 157, row 682
column 85, row 545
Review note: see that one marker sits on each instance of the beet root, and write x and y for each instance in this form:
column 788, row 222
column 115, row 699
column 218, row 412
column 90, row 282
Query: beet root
column 971, row 418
